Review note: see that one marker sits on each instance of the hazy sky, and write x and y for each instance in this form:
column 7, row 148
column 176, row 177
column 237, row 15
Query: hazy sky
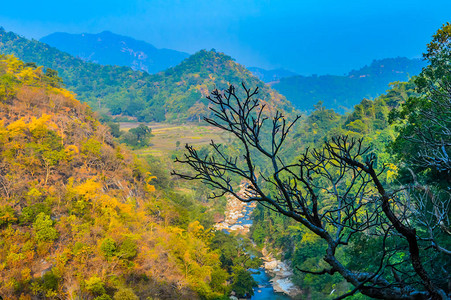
column 305, row 36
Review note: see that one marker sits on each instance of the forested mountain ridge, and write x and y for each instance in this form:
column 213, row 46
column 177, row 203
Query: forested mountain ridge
column 343, row 92
column 177, row 94
column 186, row 86
column 107, row 48
column 91, row 82
column 80, row 215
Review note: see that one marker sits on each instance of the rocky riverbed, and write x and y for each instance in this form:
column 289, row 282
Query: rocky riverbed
column 281, row 273
column 237, row 214
column 238, row 219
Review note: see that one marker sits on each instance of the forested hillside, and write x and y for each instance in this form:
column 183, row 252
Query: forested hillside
column 343, row 92
column 82, row 217
column 368, row 121
column 184, row 88
column 177, row 94
column 107, row 48
column 358, row 203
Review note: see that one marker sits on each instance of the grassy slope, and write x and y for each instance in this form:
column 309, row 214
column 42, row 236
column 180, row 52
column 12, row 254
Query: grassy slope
column 166, row 135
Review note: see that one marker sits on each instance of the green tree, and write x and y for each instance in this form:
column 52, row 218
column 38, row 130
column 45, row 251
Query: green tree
column 424, row 121
column 114, row 129
column 336, row 192
column 108, row 247
column 43, row 228
column 243, row 283
column 125, row 294
column 127, row 249
column 52, row 78
column 7, row 215
column 95, row 285
column 138, row 137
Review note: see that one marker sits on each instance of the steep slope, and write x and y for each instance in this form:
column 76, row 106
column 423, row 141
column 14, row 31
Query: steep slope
column 79, row 215
column 343, row 92
column 107, row 48
column 177, row 94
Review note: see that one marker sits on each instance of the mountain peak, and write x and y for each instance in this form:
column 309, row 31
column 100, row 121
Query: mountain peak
column 108, row 48
column 107, row 32
column 176, row 94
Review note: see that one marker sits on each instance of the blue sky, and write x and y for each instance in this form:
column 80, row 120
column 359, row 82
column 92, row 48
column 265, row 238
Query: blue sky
column 305, row 36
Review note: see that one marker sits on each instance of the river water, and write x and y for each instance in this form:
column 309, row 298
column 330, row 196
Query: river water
column 265, row 291
column 238, row 219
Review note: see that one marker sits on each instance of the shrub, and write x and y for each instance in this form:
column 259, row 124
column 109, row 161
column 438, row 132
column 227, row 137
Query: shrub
column 108, row 247
column 43, row 227
column 125, row 294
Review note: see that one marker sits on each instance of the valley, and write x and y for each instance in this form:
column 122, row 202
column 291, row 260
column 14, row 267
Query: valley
column 101, row 200
column 273, row 276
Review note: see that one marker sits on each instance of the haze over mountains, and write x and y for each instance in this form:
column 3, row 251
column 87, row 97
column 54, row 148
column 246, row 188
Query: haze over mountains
column 271, row 75
column 343, row 92
column 107, row 48
column 338, row 92
column 178, row 93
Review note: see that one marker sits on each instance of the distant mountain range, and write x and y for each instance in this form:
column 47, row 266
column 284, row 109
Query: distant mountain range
column 177, row 94
column 271, row 75
column 338, row 92
column 107, row 48
column 343, row 92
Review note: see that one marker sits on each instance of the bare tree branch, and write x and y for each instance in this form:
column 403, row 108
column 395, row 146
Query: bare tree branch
column 335, row 192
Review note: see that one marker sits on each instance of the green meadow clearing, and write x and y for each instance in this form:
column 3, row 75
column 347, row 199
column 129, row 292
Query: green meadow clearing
column 165, row 136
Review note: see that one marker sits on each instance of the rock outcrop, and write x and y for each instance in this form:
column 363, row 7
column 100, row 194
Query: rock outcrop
column 281, row 274
column 235, row 214
column 237, row 219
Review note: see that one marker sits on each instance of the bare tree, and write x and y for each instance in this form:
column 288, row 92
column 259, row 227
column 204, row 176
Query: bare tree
column 335, row 192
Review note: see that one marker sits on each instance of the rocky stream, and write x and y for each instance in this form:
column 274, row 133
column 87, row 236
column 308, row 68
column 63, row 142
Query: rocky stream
column 274, row 276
